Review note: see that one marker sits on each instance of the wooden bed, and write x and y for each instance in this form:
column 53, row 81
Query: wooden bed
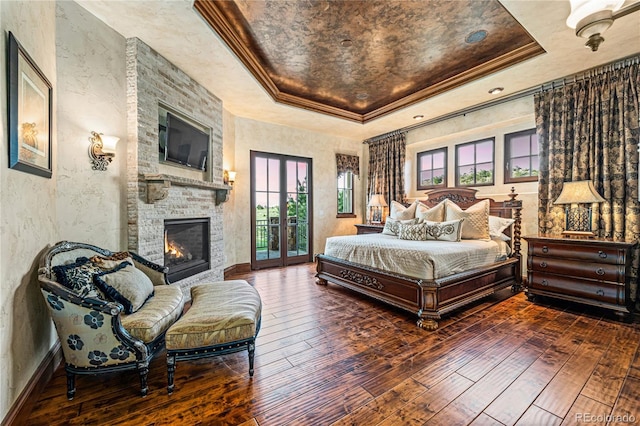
column 430, row 299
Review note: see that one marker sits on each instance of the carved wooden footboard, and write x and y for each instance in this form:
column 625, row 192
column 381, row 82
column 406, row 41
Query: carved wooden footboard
column 430, row 299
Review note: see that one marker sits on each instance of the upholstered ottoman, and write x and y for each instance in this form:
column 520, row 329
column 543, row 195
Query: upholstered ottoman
column 224, row 317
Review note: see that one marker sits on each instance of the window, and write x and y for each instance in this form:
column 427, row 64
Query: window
column 432, row 169
column 521, row 156
column 474, row 163
column 345, row 195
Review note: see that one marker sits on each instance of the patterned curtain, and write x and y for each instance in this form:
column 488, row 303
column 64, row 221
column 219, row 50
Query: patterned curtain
column 348, row 163
column 386, row 167
column 589, row 130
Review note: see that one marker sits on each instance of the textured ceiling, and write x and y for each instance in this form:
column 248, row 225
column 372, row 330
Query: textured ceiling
column 359, row 60
column 176, row 31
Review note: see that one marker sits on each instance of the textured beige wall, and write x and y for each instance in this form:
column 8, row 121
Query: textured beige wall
column 27, row 217
column 257, row 136
column 92, row 91
column 84, row 61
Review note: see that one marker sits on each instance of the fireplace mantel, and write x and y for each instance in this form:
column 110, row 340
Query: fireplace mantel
column 158, row 186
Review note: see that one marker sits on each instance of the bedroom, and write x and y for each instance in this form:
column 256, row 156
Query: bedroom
column 78, row 53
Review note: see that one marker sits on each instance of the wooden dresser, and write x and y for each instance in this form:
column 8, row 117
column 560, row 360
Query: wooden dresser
column 591, row 271
column 364, row 228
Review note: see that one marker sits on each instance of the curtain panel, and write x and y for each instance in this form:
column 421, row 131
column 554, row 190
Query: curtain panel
column 386, row 167
column 589, row 130
column 348, row 163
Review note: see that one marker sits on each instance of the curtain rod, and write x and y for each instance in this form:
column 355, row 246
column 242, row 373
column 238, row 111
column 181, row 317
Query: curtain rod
column 619, row 64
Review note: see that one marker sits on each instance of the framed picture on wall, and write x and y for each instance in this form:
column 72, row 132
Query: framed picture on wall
column 29, row 113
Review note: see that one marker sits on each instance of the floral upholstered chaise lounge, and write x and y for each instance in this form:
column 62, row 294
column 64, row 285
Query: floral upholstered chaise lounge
column 111, row 310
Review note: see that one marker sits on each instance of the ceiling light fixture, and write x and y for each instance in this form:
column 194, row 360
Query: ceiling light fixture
column 496, row 90
column 591, row 18
column 362, row 96
column 418, row 117
column 346, row 43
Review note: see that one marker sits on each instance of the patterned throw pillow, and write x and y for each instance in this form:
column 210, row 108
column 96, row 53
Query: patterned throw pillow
column 391, row 225
column 433, row 214
column 78, row 277
column 400, row 212
column 126, row 285
column 476, row 219
column 444, row 231
column 417, row 232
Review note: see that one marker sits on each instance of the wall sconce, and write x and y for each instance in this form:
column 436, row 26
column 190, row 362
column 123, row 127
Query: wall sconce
column 377, row 204
column 578, row 219
column 591, row 18
column 102, row 150
column 229, row 177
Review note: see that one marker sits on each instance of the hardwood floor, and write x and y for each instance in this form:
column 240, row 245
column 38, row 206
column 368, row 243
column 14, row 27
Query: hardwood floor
column 328, row 356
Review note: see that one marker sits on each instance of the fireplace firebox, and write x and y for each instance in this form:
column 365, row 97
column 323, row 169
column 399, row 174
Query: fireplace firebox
column 186, row 247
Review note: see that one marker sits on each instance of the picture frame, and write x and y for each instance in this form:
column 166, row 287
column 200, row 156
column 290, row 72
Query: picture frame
column 29, row 112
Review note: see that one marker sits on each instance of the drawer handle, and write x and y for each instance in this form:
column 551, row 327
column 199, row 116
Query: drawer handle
column 543, row 264
column 600, row 292
column 602, row 254
column 544, row 282
column 600, row 271
column 545, row 249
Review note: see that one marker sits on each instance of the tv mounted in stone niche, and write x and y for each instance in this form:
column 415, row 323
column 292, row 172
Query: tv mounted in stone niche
column 182, row 141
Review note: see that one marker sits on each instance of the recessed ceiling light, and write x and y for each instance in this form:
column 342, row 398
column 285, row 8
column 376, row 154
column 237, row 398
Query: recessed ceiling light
column 496, row 90
column 476, row 36
column 362, row 96
column 418, row 117
column 346, row 43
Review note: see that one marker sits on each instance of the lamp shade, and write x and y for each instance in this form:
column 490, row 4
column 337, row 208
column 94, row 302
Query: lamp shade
column 581, row 191
column 377, row 200
column 109, row 143
column 580, row 9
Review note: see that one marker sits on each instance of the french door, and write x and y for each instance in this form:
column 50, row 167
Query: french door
column 281, row 210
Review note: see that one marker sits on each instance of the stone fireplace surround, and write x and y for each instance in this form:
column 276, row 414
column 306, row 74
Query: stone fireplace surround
column 157, row 191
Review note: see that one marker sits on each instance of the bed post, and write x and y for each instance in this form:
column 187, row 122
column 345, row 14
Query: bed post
column 516, row 212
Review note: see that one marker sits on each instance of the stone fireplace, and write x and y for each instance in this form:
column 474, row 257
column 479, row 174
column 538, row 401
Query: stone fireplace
column 159, row 193
column 186, row 247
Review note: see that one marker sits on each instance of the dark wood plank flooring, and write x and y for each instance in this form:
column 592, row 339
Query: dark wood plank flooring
column 328, row 356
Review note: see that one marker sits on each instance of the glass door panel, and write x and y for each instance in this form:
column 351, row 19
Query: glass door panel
column 281, row 210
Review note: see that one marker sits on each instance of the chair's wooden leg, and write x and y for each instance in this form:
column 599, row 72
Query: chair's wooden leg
column 143, row 371
column 252, row 351
column 71, row 385
column 171, row 368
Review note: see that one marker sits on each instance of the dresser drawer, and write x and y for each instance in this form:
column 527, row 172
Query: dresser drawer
column 588, row 253
column 592, row 271
column 593, row 290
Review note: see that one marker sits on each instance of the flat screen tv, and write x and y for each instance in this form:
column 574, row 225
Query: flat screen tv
column 185, row 144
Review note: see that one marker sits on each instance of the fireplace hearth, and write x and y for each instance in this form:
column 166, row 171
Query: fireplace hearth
column 186, row 247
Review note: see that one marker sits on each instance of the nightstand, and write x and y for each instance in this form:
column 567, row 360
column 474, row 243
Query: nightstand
column 369, row 228
column 592, row 271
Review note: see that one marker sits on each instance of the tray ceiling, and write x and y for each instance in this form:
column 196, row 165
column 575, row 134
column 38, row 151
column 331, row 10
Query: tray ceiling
column 360, row 60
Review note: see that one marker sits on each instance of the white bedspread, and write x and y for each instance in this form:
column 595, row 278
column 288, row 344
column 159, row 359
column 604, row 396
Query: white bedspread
column 417, row 259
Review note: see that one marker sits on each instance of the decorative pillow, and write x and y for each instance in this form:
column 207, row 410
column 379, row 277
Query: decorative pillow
column 444, row 231
column 110, row 262
column 78, row 277
column 433, row 214
column 391, row 225
column 399, row 211
column 476, row 219
column 415, row 232
column 497, row 225
column 126, row 285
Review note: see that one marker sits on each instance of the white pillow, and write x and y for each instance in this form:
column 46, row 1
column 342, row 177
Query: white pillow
column 433, row 214
column 476, row 219
column 415, row 232
column 399, row 211
column 497, row 225
column 444, row 231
